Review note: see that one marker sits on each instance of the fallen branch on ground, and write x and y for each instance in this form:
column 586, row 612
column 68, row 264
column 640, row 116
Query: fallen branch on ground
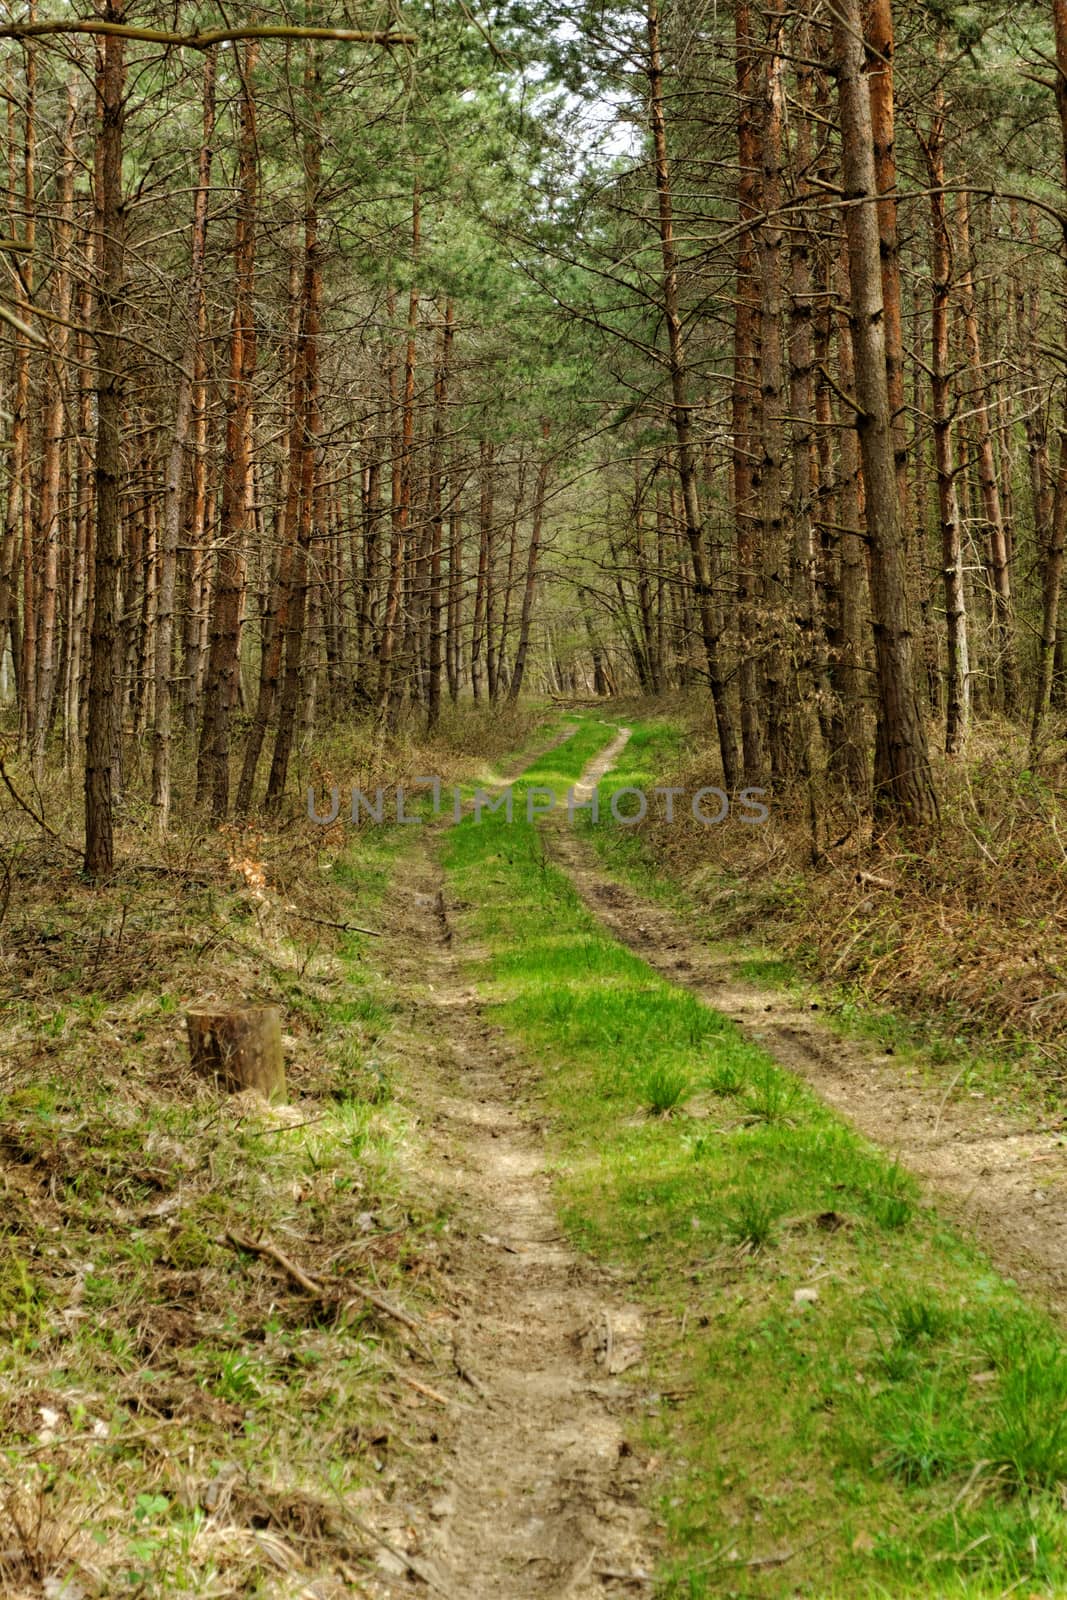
column 270, row 1252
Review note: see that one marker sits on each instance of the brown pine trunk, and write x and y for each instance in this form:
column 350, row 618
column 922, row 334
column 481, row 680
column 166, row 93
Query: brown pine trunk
column 648, row 667
column 195, row 525
column 958, row 678
column 852, row 604
column 49, row 515
column 532, row 556
column 370, row 509
column 490, row 588
column 437, row 601
column 174, row 482
column 404, row 621
column 809, row 662
column 285, row 536
column 395, row 580
column 996, row 535
column 74, row 699
column 509, row 581
column 744, row 400
column 484, row 534
column 1027, row 294
column 1053, row 574
column 306, row 430
column 222, row 685
column 20, row 501
column 454, row 637
column 680, row 413
column 903, row 781
column 102, row 731
column 878, row 32
column 662, row 534
column 777, row 687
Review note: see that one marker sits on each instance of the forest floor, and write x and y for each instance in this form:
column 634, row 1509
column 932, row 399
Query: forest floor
column 583, row 1263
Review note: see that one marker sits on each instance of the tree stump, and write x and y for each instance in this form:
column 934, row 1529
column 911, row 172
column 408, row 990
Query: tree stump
column 239, row 1048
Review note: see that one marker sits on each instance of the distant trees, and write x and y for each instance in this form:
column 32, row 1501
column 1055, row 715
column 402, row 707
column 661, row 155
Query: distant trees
column 315, row 416
column 218, row 556
column 857, row 610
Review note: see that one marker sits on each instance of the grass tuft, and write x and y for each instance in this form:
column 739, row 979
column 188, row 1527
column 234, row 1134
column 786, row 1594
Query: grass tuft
column 751, row 1222
column 665, row 1088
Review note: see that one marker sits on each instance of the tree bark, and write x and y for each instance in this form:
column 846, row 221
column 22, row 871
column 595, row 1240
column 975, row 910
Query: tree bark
column 102, row 732
column 680, row 412
column 437, row 601
column 996, row 533
column 174, row 483
column 958, row 679
column 904, row 785
column 239, row 1048
column 222, row 685
column 275, row 630
column 773, row 557
column 303, row 497
column 1053, row 574
column 50, row 517
column 744, row 399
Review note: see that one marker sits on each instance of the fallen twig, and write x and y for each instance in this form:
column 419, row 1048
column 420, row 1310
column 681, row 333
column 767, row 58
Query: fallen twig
column 410, row 1562
column 345, row 927
column 424, row 1388
column 24, row 805
column 263, row 1247
column 467, row 1375
column 386, row 1309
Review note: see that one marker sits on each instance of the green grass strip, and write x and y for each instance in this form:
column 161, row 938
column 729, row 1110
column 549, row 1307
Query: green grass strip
column 850, row 1401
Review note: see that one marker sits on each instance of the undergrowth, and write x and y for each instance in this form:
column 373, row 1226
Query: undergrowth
column 178, row 1414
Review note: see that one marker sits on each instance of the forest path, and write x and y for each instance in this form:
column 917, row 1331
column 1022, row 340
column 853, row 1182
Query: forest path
column 1002, row 1179
column 540, row 1491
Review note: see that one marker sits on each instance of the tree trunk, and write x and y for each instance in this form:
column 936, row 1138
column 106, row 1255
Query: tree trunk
column 223, row 669
column 484, row 533
column 1053, row 576
column 774, row 562
column 305, row 432
column 174, row 483
column 744, row 401
column 903, row 781
column 239, row 1048
column 454, row 635
column 437, row 602
column 275, row 634
column 958, row 680
column 680, row 412
column 996, row 534
column 102, row 732
column 852, row 586
column 50, row 511
column 808, row 656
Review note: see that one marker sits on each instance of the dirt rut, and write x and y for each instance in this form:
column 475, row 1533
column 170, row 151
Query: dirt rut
column 1002, row 1178
column 540, row 1492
